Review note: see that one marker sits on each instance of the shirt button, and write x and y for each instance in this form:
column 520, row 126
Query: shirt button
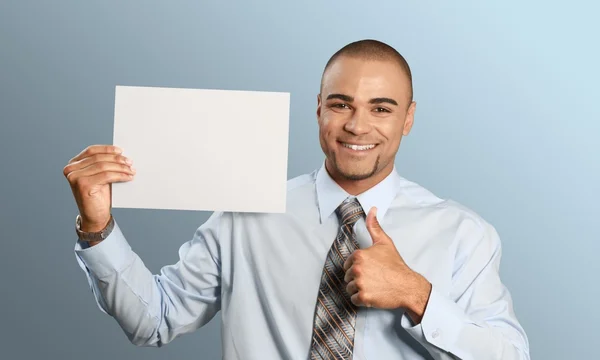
column 435, row 334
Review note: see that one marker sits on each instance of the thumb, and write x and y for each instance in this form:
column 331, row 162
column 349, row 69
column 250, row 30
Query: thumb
column 375, row 230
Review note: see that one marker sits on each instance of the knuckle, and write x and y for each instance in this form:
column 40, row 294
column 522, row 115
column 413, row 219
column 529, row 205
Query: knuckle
column 363, row 297
column 357, row 270
column 358, row 283
column 358, row 256
column 348, row 277
column 72, row 179
column 81, row 182
column 95, row 158
column 103, row 166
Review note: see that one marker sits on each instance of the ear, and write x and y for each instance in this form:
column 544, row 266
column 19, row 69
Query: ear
column 318, row 106
column 410, row 118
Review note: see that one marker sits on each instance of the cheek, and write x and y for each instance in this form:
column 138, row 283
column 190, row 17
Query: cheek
column 323, row 133
column 326, row 127
column 391, row 131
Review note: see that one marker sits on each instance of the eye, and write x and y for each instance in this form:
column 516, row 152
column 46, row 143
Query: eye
column 381, row 109
column 340, row 106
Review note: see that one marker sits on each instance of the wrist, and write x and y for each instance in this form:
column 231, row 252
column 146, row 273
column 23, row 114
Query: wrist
column 89, row 226
column 418, row 302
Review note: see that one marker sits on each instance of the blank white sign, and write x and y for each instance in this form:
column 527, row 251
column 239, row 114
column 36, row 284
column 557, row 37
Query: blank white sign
column 194, row 149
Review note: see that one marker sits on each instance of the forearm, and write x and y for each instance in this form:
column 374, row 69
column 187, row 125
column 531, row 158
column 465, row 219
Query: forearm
column 152, row 309
column 472, row 317
column 123, row 288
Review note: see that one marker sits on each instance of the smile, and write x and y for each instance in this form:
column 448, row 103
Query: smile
column 358, row 147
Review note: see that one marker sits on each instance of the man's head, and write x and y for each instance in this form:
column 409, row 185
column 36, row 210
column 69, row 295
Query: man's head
column 364, row 108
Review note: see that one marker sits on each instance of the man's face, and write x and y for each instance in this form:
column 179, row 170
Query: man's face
column 363, row 111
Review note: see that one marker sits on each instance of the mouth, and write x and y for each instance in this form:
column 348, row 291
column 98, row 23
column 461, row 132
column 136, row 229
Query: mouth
column 357, row 147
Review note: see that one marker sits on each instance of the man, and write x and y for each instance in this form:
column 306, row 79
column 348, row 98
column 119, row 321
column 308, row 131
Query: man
column 364, row 264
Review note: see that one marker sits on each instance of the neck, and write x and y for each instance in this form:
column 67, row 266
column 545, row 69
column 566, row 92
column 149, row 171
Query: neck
column 356, row 187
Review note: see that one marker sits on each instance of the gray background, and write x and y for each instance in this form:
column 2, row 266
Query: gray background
column 507, row 123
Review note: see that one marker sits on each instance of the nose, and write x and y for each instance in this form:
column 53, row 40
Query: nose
column 359, row 123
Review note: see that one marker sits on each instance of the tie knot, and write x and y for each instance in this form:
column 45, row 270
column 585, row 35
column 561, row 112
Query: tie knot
column 349, row 211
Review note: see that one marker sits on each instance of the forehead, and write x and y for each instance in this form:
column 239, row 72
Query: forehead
column 365, row 78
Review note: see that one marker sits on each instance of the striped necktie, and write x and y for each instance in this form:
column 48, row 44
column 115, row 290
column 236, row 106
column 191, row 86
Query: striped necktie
column 335, row 315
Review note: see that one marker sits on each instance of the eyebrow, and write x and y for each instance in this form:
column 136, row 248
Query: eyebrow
column 383, row 100
column 348, row 98
column 341, row 97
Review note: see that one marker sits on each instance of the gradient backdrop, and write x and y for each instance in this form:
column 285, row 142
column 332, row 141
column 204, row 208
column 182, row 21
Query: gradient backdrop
column 507, row 123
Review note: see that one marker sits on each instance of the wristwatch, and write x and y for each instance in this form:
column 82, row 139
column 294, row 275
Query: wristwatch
column 94, row 236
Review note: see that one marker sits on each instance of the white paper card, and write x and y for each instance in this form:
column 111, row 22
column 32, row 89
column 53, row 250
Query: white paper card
column 209, row 150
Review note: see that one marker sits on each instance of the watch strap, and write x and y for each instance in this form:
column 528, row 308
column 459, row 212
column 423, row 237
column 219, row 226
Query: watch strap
column 94, row 236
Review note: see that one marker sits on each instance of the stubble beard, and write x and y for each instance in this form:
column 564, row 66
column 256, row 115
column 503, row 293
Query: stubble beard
column 356, row 176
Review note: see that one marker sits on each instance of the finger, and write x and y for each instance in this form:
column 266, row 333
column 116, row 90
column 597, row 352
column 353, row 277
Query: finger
column 99, row 168
column 352, row 288
column 97, row 149
column 349, row 275
column 374, row 228
column 348, row 262
column 357, row 300
column 109, row 177
column 372, row 223
column 85, row 162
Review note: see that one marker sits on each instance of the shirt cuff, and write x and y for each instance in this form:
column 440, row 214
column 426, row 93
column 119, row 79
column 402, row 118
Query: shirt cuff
column 441, row 324
column 109, row 256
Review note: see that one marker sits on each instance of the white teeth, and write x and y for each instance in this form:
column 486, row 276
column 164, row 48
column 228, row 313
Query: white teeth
column 359, row 147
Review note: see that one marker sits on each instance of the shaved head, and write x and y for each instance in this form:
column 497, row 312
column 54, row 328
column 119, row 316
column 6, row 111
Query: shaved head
column 373, row 50
column 364, row 109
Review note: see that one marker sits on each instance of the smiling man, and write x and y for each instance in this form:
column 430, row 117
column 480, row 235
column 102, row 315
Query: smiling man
column 364, row 108
column 364, row 264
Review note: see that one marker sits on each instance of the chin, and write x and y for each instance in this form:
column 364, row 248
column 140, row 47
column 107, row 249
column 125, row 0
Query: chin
column 357, row 172
column 357, row 176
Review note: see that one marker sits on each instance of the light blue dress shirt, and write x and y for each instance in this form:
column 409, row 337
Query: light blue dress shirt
column 262, row 271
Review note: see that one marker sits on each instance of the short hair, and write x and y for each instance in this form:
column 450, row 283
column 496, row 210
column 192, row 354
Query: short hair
column 370, row 49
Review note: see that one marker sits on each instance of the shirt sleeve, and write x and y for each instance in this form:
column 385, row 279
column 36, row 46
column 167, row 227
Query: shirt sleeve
column 475, row 320
column 153, row 309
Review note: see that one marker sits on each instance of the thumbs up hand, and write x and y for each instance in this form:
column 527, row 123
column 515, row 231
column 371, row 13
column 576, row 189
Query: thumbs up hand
column 378, row 276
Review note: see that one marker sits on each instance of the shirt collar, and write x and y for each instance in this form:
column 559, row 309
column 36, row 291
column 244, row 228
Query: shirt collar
column 330, row 195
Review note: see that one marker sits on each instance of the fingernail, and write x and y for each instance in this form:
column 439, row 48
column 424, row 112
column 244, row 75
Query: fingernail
column 128, row 161
column 132, row 169
column 118, row 149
